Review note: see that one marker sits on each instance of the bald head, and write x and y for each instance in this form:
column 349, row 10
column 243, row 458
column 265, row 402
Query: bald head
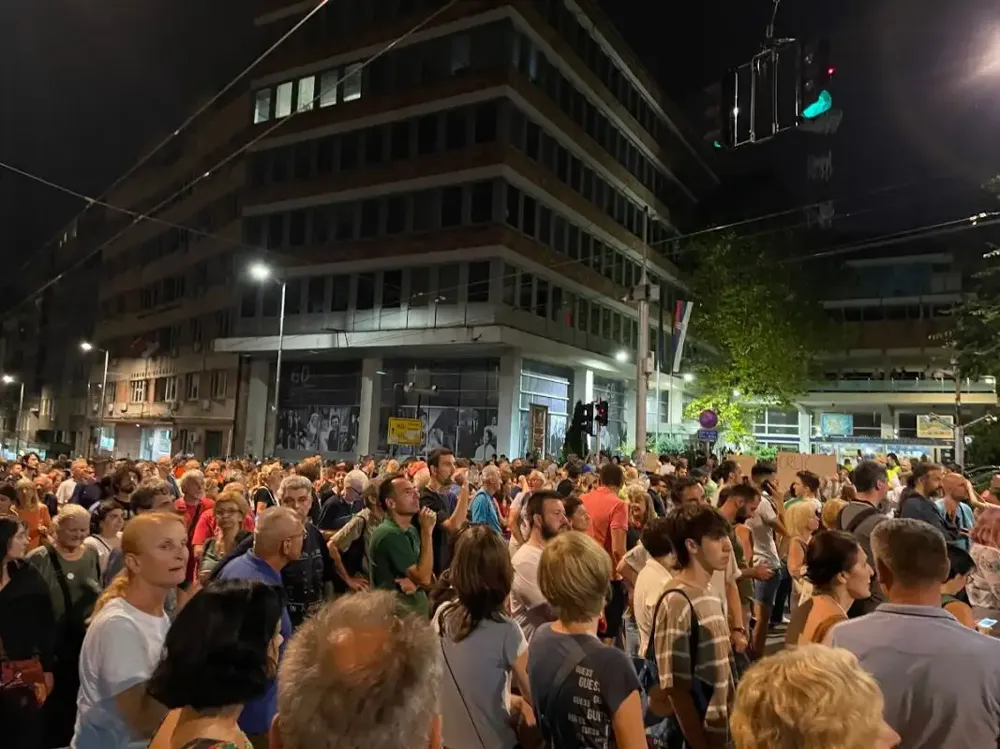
column 274, row 526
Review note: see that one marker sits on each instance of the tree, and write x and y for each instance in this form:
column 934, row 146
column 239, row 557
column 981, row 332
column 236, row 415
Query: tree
column 756, row 326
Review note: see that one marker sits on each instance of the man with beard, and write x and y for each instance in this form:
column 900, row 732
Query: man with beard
column 547, row 518
column 737, row 503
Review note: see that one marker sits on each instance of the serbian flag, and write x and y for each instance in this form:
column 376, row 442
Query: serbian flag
column 682, row 316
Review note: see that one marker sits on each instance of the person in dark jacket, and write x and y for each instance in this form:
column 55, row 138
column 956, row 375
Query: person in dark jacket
column 27, row 636
column 916, row 503
column 307, row 580
column 338, row 509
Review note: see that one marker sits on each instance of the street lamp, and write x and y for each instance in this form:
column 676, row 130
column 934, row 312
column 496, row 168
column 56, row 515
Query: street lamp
column 688, row 377
column 621, row 356
column 87, row 347
column 8, row 380
column 262, row 272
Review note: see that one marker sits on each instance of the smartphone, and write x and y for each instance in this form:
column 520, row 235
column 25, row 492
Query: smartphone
column 986, row 623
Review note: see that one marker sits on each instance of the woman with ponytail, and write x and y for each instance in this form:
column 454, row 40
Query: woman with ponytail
column 481, row 646
column 126, row 634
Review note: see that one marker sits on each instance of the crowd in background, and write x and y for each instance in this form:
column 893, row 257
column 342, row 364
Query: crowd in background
column 515, row 603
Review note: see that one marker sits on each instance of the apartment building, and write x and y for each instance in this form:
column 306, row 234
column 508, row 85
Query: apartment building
column 166, row 292
column 454, row 228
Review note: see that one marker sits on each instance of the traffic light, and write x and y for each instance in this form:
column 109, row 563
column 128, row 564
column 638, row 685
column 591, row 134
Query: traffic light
column 721, row 112
column 815, row 74
column 601, row 413
column 588, row 418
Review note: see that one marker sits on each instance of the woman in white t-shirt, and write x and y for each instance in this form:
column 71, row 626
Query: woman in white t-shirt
column 126, row 634
column 482, row 647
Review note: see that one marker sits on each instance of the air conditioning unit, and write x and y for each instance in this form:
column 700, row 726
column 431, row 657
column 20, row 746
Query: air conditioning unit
column 123, row 407
column 111, row 409
column 206, row 405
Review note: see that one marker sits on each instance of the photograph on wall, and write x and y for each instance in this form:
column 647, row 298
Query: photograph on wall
column 318, row 411
column 477, row 434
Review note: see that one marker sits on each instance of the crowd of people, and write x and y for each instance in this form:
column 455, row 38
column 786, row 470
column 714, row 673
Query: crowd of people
column 516, row 603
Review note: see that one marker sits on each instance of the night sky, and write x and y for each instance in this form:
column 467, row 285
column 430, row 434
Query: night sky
column 88, row 87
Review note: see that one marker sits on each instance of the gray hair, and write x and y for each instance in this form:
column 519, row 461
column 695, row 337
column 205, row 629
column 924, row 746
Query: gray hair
column 193, row 475
column 914, row 552
column 366, row 657
column 490, row 473
column 68, row 512
column 292, row 483
column 357, row 480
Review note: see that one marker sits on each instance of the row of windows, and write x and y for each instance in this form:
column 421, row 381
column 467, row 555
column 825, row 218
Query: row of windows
column 878, row 313
column 165, row 389
column 307, row 93
column 380, row 144
column 192, row 284
column 390, row 289
column 533, row 63
column 545, row 150
column 209, row 219
column 163, row 341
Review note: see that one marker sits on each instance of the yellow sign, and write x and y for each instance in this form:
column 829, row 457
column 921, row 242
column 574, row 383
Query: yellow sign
column 933, row 427
column 406, row 432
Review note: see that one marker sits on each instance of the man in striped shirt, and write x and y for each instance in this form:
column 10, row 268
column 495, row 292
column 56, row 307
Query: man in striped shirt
column 701, row 693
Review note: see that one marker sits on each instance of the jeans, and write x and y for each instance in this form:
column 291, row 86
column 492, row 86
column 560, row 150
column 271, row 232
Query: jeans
column 784, row 591
column 631, row 637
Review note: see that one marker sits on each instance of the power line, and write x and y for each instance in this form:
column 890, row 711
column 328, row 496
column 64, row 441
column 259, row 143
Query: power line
column 147, row 215
column 184, row 125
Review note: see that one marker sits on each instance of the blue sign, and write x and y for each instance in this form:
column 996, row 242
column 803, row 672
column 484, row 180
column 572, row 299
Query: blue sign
column 836, row 425
column 708, row 435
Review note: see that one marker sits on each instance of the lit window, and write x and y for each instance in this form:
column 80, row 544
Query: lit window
column 352, row 82
column 283, row 106
column 262, row 109
column 328, row 88
column 307, row 94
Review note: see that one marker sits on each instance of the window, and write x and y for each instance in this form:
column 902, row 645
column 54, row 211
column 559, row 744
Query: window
column 509, row 285
column 340, row 295
column 222, row 323
column 392, row 288
column 369, row 218
column 545, row 225
column 532, row 145
column 217, row 381
column 276, row 230
column 352, row 82
column 395, row 214
column 482, row 202
column 293, row 297
column 524, row 300
column 192, row 383
column 307, row 93
column 262, row 106
column 164, row 389
column 513, row 206
column 461, row 51
column 137, row 391
column 325, row 151
column 297, row 229
column 283, row 106
column 320, row 225
column 528, row 219
column 420, row 286
column 451, row 206
column 374, row 145
column 366, row 291
column 454, row 129
column 248, row 303
column 542, row 298
column 427, row 133
column 424, row 210
column 448, row 284
column 399, row 140
column 328, row 88
column 315, row 292
column 196, row 330
column 479, row 282
column 344, row 220
column 582, row 310
column 270, row 300
column 486, row 116
column 349, row 151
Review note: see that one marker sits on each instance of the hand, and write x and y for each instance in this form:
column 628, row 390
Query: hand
column 427, row 519
column 460, row 477
column 739, row 642
column 761, row 572
column 406, row 585
column 357, row 584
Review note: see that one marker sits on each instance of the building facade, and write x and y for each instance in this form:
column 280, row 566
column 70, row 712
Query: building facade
column 457, row 226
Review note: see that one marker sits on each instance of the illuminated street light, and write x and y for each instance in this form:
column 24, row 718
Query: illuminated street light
column 736, row 393
column 260, row 272
column 622, row 356
column 7, row 379
column 85, row 346
column 688, row 377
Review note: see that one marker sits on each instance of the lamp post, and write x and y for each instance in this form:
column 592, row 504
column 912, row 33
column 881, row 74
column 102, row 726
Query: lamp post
column 87, row 347
column 261, row 273
column 7, row 380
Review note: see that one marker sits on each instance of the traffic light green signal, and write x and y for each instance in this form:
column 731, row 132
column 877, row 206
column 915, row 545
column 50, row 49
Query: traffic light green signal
column 822, row 105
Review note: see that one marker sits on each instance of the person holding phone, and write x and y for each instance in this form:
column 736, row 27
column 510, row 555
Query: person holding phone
column 764, row 525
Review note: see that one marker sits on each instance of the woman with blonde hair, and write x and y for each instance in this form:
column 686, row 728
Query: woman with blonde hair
column 229, row 512
column 126, row 634
column 801, row 520
column 32, row 513
column 983, row 588
column 270, row 479
column 71, row 572
column 813, row 697
column 830, row 512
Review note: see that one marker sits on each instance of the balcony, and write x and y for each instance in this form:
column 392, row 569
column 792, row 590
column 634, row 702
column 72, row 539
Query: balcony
column 901, row 386
column 880, row 393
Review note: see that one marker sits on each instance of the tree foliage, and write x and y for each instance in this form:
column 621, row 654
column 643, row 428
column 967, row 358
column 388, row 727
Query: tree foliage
column 757, row 328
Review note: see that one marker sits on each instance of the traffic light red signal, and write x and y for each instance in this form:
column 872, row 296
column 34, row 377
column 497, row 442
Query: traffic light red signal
column 601, row 413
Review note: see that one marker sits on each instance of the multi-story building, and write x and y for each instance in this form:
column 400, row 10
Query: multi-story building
column 457, row 225
column 166, row 292
column 889, row 385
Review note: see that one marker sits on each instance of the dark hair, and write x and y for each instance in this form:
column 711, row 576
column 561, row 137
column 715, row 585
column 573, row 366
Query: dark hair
column 125, row 472
column 611, row 475
column 960, row 561
column 216, row 650
column 761, row 471
column 436, row 454
column 746, row 492
column 481, row 576
column 572, row 503
column 308, row 468
column 24, row 458
column 656, row 537
column 141, row 500
column 919, row 471
column 536, row 504
column 695, row 522
column 385, row 490
column 573, row 470
column 829, row 553
column 104, row 508
column 9, row 526
column 867, row 474
column 809, row 479
column 9, row 491
column 680, row 486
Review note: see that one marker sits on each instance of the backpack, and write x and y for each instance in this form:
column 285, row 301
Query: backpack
column 857, row 521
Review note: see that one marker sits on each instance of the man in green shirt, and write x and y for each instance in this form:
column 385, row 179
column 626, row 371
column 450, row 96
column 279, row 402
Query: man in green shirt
column 401, row 558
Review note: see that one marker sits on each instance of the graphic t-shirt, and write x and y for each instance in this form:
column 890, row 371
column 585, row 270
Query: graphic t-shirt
column 577, row 713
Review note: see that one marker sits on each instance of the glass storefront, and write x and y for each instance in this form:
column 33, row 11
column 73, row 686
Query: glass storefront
column 549, row 387
column 319, row 408
column 154, row 443
column 457, row 402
